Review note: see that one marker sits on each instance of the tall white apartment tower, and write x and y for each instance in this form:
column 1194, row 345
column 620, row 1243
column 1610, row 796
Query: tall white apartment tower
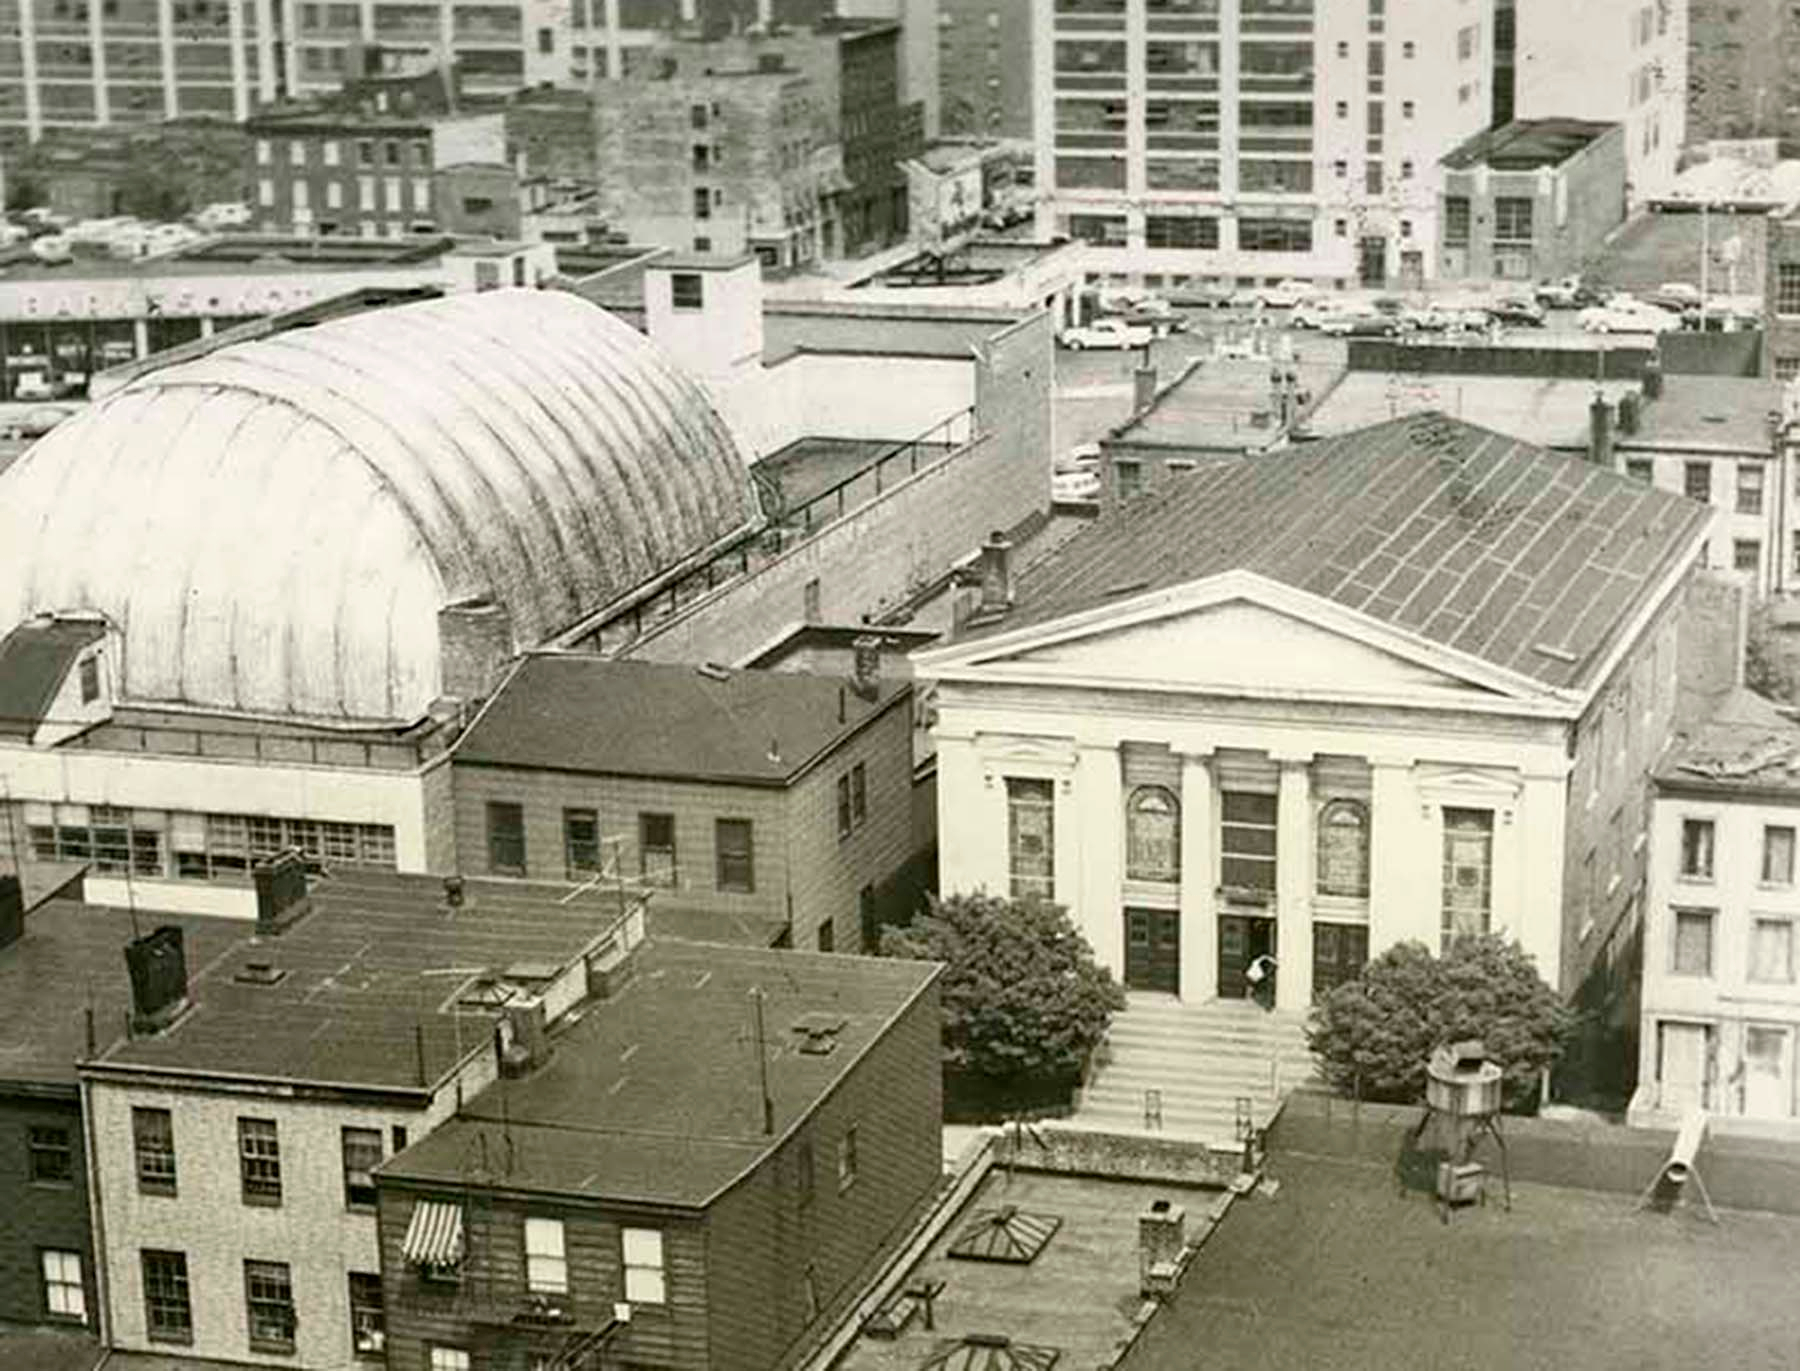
column 1623, row 61
column 79, row 63
column 1254, row 139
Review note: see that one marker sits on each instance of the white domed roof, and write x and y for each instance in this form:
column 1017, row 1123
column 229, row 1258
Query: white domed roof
column 275, row 526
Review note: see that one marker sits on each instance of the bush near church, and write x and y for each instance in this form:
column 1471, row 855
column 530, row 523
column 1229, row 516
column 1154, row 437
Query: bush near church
column 1025, row 1003
column 1373, row 1036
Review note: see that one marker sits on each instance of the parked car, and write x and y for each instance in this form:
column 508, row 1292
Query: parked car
column 1428, row 317
column 1617, row 316
column 1568, row 292
column 1315, row 313
column 1160, row 324
column 52, row 247
column 1517, row 311
column 1363, row 322
column 1286, row 294
column 223, row 214
column 1107, row 333
column 33, row 385
column 1202, row 295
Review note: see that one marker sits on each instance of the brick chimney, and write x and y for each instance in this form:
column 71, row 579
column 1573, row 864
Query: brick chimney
column 1600, row 431
column 1143, row 388
column 158, row 966
column 475, row 642
column 996, row 574
column 866, row 655
column 1629, row 405
column 281, row 894
column 1162, row 1233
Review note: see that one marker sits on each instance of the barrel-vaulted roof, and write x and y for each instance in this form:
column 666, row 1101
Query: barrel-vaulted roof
column 276, row 525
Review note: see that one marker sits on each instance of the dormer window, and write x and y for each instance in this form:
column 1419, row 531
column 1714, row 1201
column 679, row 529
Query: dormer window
column 90, row 678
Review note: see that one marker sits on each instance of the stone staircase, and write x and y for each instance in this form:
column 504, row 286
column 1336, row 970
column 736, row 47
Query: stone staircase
column 1202, row 1058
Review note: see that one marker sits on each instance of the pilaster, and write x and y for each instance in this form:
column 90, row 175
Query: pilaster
column 1400, row 891
column 1293, row 883
column 1095, row 841
column 1199, row 880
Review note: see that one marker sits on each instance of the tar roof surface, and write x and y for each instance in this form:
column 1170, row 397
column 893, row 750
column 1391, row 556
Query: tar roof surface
column 1702, row 413
column 1471, row 539
column 1745, row 744
column 1526, row 144
column 72, row 955
column 375, row 961
column 653, row 1095
column 899, row 330
column 1546, row 410
column 34, row 660
column 1212, row 404
column 584, row 713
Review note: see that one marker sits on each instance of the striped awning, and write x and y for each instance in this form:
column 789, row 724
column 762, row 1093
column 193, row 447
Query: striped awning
column 435, row 1235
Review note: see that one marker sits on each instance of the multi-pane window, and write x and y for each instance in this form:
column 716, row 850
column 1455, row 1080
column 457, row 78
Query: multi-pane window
column 1031, row 837
column 1181, row 231
column 1274, row 235
column 846, row 1159
column 546, row 1268
column 50, row 1154
column 506, row 838
column 844, row 824
column 581, row 841
column 1787, row 288
column 859, row 794
column 1746, row 554
column 448, row 1359
column 368, row 1315
column 259, row 1161
column 1772, row 951
column 1152, row 835
column 1343, row 856
column 153, row 1133
column 1693, row 942
column 1750, row 488
column 1778, row 855
column 1512, row 218
column 687, row 290
column 1456, row 220
column 1468, row 873
column 168, row 1316
column 362, row 1154
column 733, row 842
column 1696, row 481
column 64, row 1295
column 1697, row 849
column 219, row 847
column 642, row 1252
column 269, row 1305
column 1247, row 841
column 656, row 848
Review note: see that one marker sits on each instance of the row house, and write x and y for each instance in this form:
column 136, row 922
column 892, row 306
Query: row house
column 1403, row 684
column 770, row 804
column 1720, row 1012
column 697, row 1176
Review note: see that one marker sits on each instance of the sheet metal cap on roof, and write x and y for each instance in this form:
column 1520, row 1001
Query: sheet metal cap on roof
column 276, row 525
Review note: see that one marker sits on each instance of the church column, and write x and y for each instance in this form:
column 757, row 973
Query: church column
column 1199, row 881
column 1096, row 844
column 1402, row 900
column 1293, row 883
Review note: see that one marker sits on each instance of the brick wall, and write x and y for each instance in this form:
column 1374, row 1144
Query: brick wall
column 438, row 804
column 907, row 537
column 38, row 1216
column 767, row 1239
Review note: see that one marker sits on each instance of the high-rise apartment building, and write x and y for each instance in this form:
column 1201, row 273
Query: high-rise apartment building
column 1255, row 138
column 984, row 68
column 79, row 63
column 1621, row 61
column 1743, row 69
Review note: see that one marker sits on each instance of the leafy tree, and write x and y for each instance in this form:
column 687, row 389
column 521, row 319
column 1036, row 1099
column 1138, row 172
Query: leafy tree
column 1768, row 670
column 1375, row 1034
column 1023, row 997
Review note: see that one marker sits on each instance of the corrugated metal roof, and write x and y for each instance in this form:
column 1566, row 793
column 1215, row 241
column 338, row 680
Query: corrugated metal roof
column 275, row 526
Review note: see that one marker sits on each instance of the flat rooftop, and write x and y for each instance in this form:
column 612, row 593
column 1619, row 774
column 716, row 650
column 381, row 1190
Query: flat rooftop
column 578, row 712
column 1746, row 745
column 1340, row 1270
column 1526, row 144
column 1212, row 406
column 951, row 332
column 1702, row 413
column 1546, row 410
column 653, row 1095
column 379, row 960
column 237, row 255
column 1076, row 1296
column 72, row 957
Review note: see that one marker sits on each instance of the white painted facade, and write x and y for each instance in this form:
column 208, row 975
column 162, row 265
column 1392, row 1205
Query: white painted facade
column 1233, row 686
column 1168, row 97
column 1720, row 1014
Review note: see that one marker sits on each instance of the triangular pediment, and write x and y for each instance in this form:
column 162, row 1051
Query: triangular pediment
column 1243, row 635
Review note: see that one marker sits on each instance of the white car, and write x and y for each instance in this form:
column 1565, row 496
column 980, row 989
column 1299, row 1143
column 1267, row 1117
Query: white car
column 1632, row 318
column 223, row 214
column 1107, row 333
column 52, row 247
column 1317, row 313
column 1288, row 294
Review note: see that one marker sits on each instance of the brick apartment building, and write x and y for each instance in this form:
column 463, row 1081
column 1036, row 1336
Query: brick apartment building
column 768, row 805
column 646, row 1197
column 984, row 69
column 64, row 983
column 233, row 1148
column 362, row 171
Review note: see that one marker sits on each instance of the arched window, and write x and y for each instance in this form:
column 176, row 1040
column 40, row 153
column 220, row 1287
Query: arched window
column 1152, row 835
column 1344, row 849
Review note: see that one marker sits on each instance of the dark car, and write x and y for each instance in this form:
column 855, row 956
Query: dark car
column 1517, row 313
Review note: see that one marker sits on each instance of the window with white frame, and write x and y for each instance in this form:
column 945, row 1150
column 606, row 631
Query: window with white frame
column 1342, row 868
column 1697, row 849
column 1772, row 951
column 641, row 1250
column 1468, row 888
column 1778, row 855
column 64, row 1295
column 1031, row 837
column 546, row 1268
column 449, row 1359
column 1692, row 954
column 1152, row 835
column 368, row 1315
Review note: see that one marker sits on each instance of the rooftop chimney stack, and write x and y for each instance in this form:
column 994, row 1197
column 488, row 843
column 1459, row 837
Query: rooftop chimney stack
column 158, row 966
column 866, row 654
column 12, row 911
column 1628, row 413
column 1653, row 377
column 1162, row 1233
column 281, row 895
column 996, row 574
column 1600, row 431
column 1143, row 388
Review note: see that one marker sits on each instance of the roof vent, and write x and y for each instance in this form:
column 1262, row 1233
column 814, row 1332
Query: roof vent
column 1556, row 654
column 1125, row 588
column 1006, row 1234
column 259, row 973
column 818, row 1033
column 713, row 671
